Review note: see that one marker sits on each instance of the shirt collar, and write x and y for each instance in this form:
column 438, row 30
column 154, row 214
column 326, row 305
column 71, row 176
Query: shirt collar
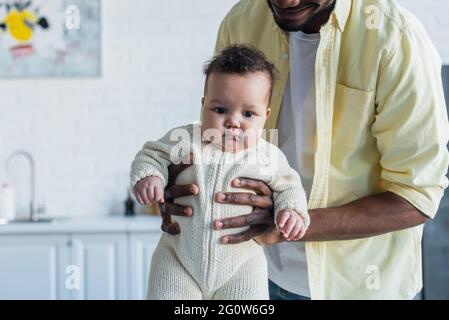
column 341, row 13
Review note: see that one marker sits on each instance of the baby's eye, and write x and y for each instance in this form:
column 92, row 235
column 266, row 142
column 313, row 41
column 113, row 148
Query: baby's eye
column 219, row 109
column 248, row 114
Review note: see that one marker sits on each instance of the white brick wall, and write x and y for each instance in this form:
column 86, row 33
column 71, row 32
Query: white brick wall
column 84, row 133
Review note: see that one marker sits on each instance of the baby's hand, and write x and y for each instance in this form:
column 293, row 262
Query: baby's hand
column 291, row 225
column 149, row 189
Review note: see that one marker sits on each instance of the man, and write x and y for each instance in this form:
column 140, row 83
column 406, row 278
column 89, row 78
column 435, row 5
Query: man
column 361, row 115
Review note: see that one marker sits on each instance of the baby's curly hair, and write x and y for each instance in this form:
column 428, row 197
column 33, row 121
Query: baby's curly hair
column 241, row 59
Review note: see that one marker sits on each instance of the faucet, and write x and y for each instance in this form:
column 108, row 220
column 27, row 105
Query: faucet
column 33, row 204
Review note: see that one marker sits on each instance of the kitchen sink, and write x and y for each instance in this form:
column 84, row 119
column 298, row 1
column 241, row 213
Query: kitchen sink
column 28, row 220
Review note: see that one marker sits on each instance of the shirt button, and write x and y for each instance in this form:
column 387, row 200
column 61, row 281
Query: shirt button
column 285, row 56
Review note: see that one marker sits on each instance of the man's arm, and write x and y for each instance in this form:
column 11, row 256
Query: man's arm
column 365, row 217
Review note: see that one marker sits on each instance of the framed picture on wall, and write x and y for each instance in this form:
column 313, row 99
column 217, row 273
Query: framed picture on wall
column 50, row 38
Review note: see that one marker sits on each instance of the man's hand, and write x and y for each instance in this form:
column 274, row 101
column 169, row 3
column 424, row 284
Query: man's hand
column 260, row 221
column 173, row 191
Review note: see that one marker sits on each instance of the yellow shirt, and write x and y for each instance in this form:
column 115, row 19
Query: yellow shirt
column 381, row 126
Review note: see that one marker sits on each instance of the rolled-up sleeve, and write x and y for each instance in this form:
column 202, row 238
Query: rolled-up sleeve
column 411, row 125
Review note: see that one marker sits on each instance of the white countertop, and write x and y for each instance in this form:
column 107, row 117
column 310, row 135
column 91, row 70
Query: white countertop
column 93, row 224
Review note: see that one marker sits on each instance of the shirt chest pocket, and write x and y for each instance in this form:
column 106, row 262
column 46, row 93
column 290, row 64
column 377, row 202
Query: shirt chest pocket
column 354, row 113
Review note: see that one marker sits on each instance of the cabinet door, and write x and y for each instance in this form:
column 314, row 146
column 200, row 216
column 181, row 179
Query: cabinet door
column 142, row 246
column 33, row 266
column 102, row 263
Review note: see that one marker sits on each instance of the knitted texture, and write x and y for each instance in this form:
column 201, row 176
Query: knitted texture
column 170, row 279
column 197, row 252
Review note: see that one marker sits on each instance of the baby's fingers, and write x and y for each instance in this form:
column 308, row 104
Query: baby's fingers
column 150, row 193
column 282, row 218
column 143, row 196
column 295, row 231
column 139, row 198
column 159, row 194
column 301, row 234
column 289, row 225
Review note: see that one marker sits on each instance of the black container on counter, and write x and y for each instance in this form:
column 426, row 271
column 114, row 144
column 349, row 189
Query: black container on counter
column 129, row 206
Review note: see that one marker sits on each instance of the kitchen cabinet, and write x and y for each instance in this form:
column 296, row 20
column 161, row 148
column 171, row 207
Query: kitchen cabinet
column 141, row 247
column 32, row 267
column 102, row 258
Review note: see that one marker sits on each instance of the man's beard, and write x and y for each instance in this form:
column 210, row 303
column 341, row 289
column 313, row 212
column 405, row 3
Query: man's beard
column 291, row 27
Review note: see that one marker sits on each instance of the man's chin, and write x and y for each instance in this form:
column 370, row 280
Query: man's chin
column 289, row 27
column 292, row 26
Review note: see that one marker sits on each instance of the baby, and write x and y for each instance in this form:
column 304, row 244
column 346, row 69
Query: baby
column 227, row 144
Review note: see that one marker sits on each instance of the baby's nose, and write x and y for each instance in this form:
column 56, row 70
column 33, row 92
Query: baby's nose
column 232, row 122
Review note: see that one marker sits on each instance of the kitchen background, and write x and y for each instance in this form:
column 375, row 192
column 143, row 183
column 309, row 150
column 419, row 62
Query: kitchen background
column 84, row 132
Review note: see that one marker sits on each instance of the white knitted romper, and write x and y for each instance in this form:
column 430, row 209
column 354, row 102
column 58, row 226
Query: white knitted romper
column 194, row 264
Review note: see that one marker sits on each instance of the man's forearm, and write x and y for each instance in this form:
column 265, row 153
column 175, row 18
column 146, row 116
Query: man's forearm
column 365, row 217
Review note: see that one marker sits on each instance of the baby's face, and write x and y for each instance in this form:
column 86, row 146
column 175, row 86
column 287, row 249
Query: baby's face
column 235, row 108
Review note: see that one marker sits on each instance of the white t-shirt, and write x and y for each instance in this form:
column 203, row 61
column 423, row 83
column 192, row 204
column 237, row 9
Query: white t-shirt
column 287, row 266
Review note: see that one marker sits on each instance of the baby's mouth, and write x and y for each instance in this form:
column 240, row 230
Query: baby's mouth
column 233, row 137
column 234, row 134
